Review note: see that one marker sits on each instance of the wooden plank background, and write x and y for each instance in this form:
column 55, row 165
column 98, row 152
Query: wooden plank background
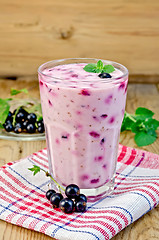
column 35, row 31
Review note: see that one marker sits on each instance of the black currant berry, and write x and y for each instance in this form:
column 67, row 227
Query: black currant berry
column 41, row 129
column 17, row 130
column 9, row 115
column 24, row 124
column 18, row 125
column 49, row 193
column 66, row 205
column 104, row 75
column 8, row 127
column 55, row 199
column 40, row 123
column 23, row 111
column 8, row 121
column 20, row 117
column 30, row 128
column 31, row 117
column 72, row 191
column 81, row 197
column 80, row 206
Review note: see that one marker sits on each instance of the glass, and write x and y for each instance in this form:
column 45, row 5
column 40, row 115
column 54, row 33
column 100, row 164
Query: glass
column 82, row 116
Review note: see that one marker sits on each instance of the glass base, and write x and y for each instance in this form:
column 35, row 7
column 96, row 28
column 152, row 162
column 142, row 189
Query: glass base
column 95, row 194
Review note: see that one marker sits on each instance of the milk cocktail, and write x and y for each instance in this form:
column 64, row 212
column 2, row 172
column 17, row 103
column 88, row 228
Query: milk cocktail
column 82, row 114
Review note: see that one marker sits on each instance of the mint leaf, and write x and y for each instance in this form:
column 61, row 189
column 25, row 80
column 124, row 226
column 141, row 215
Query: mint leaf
column 151, row 123
column 108, row 69
column 127, row 123
column 100, row 65
column 97, row 68
column 140, row 117
column 91, row 67
column 15, row 91
column 4, row 110
column 152, row 132
column 35, row 169
column 142, row 124
column 144, row 112
column 144, row 139
column 136, row 127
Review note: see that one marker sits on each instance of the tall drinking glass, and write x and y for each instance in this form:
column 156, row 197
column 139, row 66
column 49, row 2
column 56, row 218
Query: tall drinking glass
column 82, row 114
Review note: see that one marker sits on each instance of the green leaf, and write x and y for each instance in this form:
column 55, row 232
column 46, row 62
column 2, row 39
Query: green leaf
column 151, row 123
column 144, row 139
column 127, row 123
column 135, row 128
column 144, row 111
column 140, row 117
column 100, row 65
column 1, row 125
column 152, row 132
column 15, row 91
column 97, row 68
column 108, row 69
column 142, row 124
column 4, row 110
column 35, row 169
column 91, row 67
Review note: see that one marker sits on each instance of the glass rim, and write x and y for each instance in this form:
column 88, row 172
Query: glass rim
column 124, row 70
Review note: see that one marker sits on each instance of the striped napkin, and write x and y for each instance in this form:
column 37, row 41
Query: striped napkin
column 23, row 202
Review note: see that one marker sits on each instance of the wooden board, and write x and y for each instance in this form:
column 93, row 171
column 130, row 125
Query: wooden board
column 36, row 31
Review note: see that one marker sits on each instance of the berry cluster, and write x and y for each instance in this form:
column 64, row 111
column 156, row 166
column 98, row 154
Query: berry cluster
column 74, row 201
column 22, row 121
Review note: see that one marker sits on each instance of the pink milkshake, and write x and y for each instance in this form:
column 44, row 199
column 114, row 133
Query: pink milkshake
column 83, row 114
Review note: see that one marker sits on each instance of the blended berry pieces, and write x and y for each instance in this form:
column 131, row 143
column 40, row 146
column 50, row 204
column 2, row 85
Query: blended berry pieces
column 102, row 141
column 74, row 201
column 104, row 116
column 85, row 92
column 94, row 134
column 104, row 75
column 21, row 121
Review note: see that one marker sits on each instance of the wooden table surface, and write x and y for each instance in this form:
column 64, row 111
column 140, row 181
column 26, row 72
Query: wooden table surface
column 145, row 95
